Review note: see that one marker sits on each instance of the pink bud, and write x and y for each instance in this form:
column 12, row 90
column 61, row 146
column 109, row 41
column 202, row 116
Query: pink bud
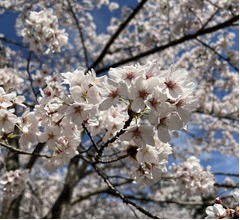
column 218, row 200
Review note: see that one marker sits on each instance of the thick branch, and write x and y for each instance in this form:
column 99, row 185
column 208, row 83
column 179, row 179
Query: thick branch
column 62, row 206
column 183, row 39
column 35, row 154
column 116, row 34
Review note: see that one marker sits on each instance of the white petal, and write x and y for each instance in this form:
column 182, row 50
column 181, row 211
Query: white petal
column 174, row 122
column 138, row 105
column 106, row 104
column 163, row 134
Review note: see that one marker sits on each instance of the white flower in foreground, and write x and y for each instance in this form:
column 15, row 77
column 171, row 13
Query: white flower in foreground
column 112, row 92
column 6, row 98
column 185, row 105
column 165, row 122
column 139, row 93
column 157, row 100
column 50, row 135
column 217, row 211
column 141, row 135
column 84, row 94
column 175, row 82
column 147, row 154
column 79, row 112
column 62, row 155
column 128, row 74
column 7, row 120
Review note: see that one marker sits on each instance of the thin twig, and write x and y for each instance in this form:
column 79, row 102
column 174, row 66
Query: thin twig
column 22, row 151
column 226, row 174
column 218, row 54
column 226, row 185
column 103, row 189
column 80, row 33
column 114, row 160
column 118, row 134
column 90, row 136
column 120, row 195
column 209, row 19
column 29, row 74
column 15, row 43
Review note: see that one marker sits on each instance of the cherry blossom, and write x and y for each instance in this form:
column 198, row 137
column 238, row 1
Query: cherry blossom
column 7, row 120
column 13, row 183
column 42, row 31
column 141, row 135
column 217, row 211
column 192, row 178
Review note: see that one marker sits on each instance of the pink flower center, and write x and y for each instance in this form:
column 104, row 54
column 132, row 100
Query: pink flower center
column 129, row 76
column 113, row 93
column 143, row 94
column 149, row 75
column 170, row 84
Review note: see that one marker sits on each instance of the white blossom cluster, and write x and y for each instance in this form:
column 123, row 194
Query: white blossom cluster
column 159, row 102
column 221, row 211
column 8, row 118
column 10, row 79
column 191, row 178
column 154, row 101
column 43, row 33
column 151, row 162
column 13, row 183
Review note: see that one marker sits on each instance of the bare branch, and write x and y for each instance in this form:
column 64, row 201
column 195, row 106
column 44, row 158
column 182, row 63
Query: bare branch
column 116, row 34
column 120, row 195
column 114, row 160
column 103, row 189
column 29, row 74
column 22, row 151
column 183, row 39
column 218, row 54
column 226, row 174
column 80, row 32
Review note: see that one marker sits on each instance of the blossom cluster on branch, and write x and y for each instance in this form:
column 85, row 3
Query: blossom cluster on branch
column 222, row 211
column 43, row 33
column 156, row 102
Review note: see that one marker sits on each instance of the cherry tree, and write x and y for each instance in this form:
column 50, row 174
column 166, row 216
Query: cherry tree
column 116, row 122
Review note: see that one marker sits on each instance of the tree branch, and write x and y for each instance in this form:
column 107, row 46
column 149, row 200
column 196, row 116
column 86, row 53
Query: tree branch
column 114, row 191
column 29, row 75
column 218, row 54
column 22, row 151
column 103, row 189
column 80, row 32
column 116, row 34
column 183, row 39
